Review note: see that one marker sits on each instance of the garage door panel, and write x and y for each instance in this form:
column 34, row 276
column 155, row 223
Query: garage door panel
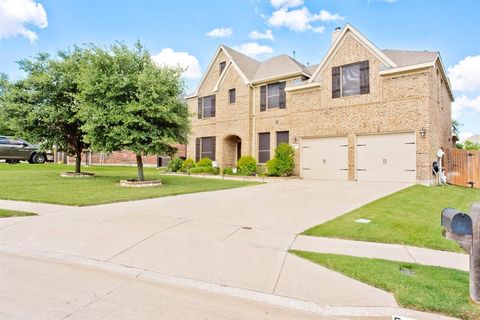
column 388, row 157
column 325, row 158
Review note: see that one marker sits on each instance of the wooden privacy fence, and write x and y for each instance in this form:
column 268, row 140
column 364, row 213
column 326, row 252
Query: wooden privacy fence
column 463, row 167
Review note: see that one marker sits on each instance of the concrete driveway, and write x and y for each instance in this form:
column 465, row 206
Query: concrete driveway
column 237, row 238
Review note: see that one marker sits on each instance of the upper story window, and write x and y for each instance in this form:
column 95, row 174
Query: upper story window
column 223, row 64
column 350, row 80
column 273, row 96
column 206, row 107
column 231, row 96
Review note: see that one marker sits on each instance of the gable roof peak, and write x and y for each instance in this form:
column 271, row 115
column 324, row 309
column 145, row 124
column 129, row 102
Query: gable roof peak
column 348, row 28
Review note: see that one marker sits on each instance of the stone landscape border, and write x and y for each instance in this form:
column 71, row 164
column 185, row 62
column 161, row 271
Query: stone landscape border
column 77, row 175
column 134, row 183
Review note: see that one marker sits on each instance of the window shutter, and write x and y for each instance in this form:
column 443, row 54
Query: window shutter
column 364, row 78
column 283, row 96
column 197, row 149
column 200, row 100
column 263, row 98
column 213, row 148
column 212, row 113
column 336, row 82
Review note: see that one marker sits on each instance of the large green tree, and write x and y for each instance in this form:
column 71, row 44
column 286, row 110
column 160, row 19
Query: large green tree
column 129, row 103
column 5, row 125
column 43, row 106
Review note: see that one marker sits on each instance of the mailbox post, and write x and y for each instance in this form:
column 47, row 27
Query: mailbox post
column 465, row 230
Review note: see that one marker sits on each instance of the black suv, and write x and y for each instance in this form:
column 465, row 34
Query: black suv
column 14, row 150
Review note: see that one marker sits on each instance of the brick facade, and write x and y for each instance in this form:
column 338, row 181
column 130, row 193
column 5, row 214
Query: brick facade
column 409, row 101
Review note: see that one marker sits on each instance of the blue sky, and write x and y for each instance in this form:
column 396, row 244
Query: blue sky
column 188, row 32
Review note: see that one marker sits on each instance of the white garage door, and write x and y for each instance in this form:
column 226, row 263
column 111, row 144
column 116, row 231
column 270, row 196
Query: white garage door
column 325, row 158
column 386, row 157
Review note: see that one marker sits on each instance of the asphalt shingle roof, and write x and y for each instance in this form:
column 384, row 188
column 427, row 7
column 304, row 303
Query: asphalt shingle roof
column 407, row 58
column 282, row 65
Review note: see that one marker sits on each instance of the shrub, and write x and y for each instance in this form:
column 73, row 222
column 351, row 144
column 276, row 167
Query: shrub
column 187, row 165
column 207, row 170
column 283, row 163
column 261, row 170
column 228, row 171
column 175, row 164
column 247, row 166
column 205, row 162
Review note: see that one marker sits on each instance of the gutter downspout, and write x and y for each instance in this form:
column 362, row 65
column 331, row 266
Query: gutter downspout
column 254, row 127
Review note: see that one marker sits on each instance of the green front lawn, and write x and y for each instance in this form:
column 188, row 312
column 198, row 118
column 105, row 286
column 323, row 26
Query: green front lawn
column 424, row 288
column 13, row 213
column 42, row 183
column 410, row 216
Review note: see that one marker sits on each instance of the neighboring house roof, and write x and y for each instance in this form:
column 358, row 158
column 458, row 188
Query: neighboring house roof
column 474, row 139
column 279, row 66
column 405, row 58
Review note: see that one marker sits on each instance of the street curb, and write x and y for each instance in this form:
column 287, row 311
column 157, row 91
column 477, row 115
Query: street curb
column 272, row 299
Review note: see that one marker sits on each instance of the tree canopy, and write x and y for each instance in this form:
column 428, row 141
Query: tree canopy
column 43, row 106
column 129, row 103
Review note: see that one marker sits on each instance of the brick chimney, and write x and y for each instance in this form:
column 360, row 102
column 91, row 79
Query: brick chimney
column 336, row 33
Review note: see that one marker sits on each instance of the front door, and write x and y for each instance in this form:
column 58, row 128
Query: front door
column 239, row 150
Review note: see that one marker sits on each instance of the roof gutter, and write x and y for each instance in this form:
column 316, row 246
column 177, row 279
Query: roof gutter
column 281, row 77
column 307, row 86
column 407, row 68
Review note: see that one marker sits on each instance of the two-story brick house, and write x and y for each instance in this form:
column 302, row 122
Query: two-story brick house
column 361, row 114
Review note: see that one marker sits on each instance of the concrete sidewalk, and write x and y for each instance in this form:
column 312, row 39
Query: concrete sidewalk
column 35, row 207
column 383, row 251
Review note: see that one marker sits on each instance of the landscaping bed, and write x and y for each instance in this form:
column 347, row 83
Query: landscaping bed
column 44, row 184
column 419, row 287
column 410, row 216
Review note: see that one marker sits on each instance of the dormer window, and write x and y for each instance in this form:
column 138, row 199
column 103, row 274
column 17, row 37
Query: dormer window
column 223, row 64
column 350, row 80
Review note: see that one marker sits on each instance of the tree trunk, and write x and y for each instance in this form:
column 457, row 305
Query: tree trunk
column 140, row 175
column 78, row 160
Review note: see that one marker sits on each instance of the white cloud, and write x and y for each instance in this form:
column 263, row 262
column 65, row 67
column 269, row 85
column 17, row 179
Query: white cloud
column 464, row 103
column 300, row 20
column 286, row 3
column 16, row 15
column 326, row 16
column 267, row 35
column 254, row 49
column 220, row 32
column 168, row 57
column 465, row 75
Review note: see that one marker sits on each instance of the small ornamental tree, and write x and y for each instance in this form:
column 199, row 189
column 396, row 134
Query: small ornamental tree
column 284, row 161
column 43, row 106
column 129, row 103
